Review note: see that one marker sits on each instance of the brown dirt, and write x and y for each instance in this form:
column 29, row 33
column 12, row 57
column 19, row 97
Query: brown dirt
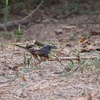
column 40, row 82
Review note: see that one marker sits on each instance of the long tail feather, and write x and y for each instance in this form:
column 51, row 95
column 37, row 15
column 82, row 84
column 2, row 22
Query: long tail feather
column 29, row 49
column 20, row 46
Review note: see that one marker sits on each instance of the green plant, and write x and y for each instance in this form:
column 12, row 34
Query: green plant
column 86, row 35
column 6, row 18
column 17, row 34
column 71, row 64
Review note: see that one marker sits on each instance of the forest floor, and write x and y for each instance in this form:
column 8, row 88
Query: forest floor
column 79, row 80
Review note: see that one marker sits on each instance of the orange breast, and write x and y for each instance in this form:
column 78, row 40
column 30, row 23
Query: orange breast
column 41, row 58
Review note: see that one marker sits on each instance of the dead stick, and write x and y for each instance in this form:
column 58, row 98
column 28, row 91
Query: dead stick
column 71, row 58
column 30, row 15
column 21, row 22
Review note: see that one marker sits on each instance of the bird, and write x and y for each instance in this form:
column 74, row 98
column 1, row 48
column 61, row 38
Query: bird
column 41, row 54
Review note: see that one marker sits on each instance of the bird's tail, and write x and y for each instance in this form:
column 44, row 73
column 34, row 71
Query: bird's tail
column 20, row 46
column 27, row 48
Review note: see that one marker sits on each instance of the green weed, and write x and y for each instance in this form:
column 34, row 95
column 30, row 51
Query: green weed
column 17, row 34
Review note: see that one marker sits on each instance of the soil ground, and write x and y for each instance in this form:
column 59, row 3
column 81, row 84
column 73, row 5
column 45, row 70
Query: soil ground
column 30, row 82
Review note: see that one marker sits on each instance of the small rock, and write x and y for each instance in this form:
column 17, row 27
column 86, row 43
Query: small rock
column 58, row 32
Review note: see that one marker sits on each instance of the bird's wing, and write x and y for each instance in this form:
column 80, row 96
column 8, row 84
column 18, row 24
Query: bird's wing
column 41, row 53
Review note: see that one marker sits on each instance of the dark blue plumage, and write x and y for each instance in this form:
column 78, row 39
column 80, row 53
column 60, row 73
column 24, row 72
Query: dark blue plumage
column 47, row 49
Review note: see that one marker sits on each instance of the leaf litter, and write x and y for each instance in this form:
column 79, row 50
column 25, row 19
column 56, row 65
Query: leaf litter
column 30, row 82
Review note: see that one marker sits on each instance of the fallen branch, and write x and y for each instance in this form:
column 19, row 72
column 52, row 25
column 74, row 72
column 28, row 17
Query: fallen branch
column 24, row 21
column 71, row 58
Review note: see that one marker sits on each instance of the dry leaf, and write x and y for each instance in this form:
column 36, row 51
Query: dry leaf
column 94, row 94
column 81, row 40
column 94, row 33
column 58, row 32
column 82, row 98
column 64, row 52
column 91, row 68
column 24, row 79
column 89, row 97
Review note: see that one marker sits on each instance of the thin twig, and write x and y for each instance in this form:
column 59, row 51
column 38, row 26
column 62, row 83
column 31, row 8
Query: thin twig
column 24, row 21
column 72, row 58
column 57, row 59
column 30, row 15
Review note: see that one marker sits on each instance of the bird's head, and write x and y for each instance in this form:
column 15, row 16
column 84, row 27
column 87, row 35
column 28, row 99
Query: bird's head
column 49, row 47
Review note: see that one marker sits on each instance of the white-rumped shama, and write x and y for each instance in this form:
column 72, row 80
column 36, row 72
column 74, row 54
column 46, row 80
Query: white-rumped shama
column 43, row 53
